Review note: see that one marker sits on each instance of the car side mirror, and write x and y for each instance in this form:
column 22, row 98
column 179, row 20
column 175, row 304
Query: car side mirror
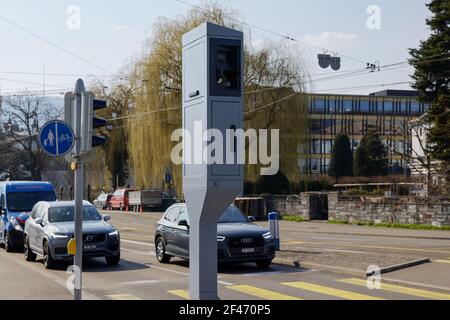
column 251, row 219
column 106, row 218
column 183, row 223
column 39, row 221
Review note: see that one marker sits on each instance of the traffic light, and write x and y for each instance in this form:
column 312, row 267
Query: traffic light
column 90, row 122
column 97, row 104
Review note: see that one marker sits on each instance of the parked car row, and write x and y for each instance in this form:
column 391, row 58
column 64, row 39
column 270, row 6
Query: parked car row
column 34, row 221
column 134, row 200
column 239, row 239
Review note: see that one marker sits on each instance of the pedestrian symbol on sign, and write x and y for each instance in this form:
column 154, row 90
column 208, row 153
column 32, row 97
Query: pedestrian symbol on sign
column 56, row 138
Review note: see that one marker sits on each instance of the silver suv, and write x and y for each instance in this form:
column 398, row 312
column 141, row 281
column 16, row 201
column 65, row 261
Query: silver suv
column 51, row 226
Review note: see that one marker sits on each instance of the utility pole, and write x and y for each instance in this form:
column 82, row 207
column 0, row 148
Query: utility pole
column 79, row 188
column 79, row 112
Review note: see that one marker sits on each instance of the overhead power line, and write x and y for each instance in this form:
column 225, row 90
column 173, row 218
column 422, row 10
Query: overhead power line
column 365, row 86
column 55, row 74
column 29, row 82
column 53, row 44
column 277, row 33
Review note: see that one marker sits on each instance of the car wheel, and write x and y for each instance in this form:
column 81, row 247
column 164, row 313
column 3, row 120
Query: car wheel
column 263, row 263
column 8, row 244
column 49, row 263
column 113, row 260
column 161, row 251
column 29, row 255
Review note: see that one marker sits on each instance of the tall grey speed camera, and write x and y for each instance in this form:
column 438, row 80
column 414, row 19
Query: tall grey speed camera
column 212, row 99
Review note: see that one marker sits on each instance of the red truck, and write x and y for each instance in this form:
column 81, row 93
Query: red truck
column 120, row 199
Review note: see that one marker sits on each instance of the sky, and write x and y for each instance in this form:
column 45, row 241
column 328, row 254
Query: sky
column 110, row 33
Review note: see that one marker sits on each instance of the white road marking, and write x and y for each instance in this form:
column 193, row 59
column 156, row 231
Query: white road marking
column 261, row 273
column 140, row 282
column 183, row 273
column 137, row 242
column 145, row 253
column 168, row 270
column 125, row 296
column 225, row 283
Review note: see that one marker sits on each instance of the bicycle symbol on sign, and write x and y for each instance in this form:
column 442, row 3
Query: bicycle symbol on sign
column 65, row 137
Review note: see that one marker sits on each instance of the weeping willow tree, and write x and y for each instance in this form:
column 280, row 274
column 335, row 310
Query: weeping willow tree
column 272, row 80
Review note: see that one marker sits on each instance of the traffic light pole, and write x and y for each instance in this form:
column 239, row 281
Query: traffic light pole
column 78, row 259
column 79, row 112
column 79, row 188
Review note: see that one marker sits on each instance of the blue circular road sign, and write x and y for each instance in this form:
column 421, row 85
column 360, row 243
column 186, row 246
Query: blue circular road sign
column 56, row 138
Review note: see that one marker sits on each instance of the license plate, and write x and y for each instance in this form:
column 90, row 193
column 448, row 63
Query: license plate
column 90, row 246
column 248, row 250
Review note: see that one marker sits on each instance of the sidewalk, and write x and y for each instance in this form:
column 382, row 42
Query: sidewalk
column 16, row 279
column 328, row 228
column 352, row 263
column 432, row 275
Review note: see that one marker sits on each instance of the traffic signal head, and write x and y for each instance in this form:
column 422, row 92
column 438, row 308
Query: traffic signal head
column 90, row 122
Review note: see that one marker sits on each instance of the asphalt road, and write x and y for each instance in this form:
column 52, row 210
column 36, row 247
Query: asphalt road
column 140, row 276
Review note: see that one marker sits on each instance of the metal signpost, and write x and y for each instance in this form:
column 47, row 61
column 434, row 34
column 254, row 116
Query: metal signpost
column 74, row 138
column 79, row 109
column 213, row 99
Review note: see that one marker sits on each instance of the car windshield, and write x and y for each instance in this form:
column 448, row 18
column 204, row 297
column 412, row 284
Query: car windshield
column 233, row 215
column 66, row 214
column 102, row 197
column 24, row 201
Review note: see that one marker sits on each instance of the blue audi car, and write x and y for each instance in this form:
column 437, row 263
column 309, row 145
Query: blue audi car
column 17, row 199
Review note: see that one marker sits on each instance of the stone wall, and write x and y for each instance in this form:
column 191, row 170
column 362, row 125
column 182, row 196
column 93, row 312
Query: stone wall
column 404, row 210
column 293, row 205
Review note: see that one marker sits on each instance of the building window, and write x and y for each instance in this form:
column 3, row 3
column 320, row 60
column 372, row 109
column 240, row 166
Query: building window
column 404, row 107
column 315, row 165
column 320, row 106
column 303, row 165
column 333, row 105
column 365, row 106
column 325, row 165
column 375, row 105
column 315, row 146
column 348, row 106
column 328, row 126
column 327, row 146
column 415, row 108
column 371, row 125
column 316, row 126
column 399, row 127
column 388, row 107
column 358, row 127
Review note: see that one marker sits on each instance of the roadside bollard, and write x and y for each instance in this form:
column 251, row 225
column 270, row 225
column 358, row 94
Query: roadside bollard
column 274, row 228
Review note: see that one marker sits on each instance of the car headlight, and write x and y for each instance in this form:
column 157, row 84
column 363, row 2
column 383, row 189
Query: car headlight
column 267, row 235
column 113, row 233
column 59, row 236
column 16, row 225
column 221, row 238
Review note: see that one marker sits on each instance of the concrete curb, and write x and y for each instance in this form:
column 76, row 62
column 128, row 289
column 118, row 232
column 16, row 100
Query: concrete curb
column 372, row 235
column 341, row 270
column 402, row 266
column 322, row 267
